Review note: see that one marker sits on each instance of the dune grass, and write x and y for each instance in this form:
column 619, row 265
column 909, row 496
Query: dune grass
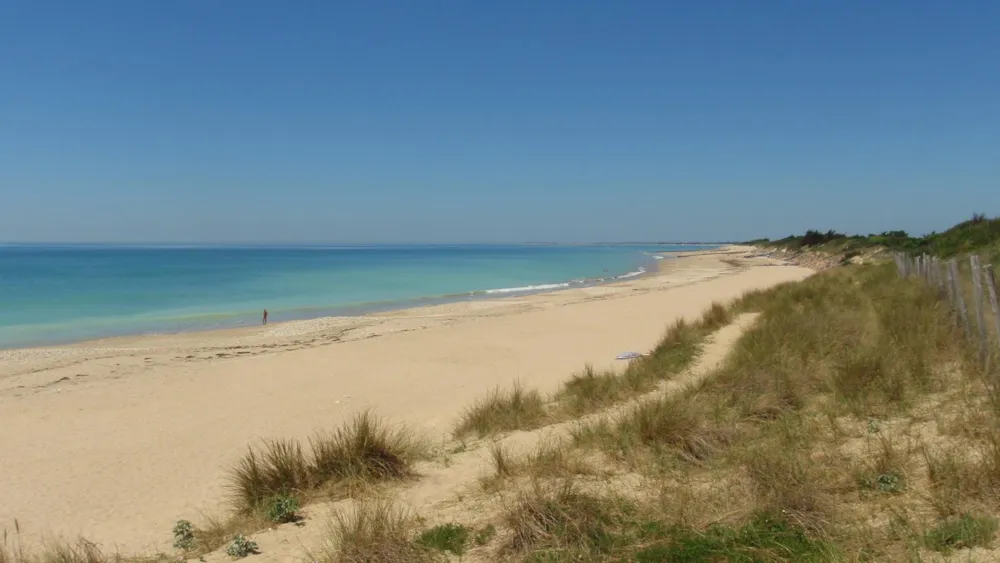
column 80, row 551
column 375, row 531
column 764, row 538
column 380, row 531
column 447, row 538
column 502, row 410
column 365, row 450
column 668, row 423
column 680, row 346
column 268, row 484
column 561, row 522
column 591, row 390
column 962, row 532
column 279, row 468
column 61, row 551
column 806, row 423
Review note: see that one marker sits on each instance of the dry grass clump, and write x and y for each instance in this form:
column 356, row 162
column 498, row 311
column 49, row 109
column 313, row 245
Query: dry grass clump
column 884, row 467
column 965, row 531
column 376, row 531
column 364, row 451
column 592, row 390
column 557, row 521
column 965, row 477
column 280, row 468
column 715, row 317
column 503, row 461
column 789, row 483
column 672, row 425
column 503, row 410
column 80, row 551
column 557, row 459
column 59, row 551
column 549, row 460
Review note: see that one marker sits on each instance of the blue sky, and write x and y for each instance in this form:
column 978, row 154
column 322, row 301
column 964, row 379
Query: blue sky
column 463, row 121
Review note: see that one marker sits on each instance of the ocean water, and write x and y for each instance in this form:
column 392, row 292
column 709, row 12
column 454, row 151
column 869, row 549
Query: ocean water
column 58, row 294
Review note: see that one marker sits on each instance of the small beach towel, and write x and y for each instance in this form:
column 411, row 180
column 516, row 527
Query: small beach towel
column 629, row 356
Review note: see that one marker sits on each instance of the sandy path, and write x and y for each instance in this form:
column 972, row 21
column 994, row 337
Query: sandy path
column 119, row 459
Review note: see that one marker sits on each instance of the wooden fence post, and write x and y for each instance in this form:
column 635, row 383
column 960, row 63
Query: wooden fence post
column 977, row 303
column 939, row 280
column 956, row 283
column 950, row 287
column 991, row 289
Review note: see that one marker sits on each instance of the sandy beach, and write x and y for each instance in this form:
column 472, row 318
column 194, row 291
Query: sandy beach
column 115, row 440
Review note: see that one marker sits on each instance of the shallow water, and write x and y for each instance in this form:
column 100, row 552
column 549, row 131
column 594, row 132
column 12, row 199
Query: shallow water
column 54, row 294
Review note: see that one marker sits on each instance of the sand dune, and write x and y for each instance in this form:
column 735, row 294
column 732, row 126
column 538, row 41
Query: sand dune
column 116, row 440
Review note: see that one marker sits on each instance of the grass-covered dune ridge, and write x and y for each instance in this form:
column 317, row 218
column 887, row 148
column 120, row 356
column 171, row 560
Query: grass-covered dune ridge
column 978, row 234
column 838, row 429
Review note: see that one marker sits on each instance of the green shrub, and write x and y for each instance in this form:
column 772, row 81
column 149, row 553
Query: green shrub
column 241, row 546
column 446, row 538
column 891, row 482
column 183, row 535
column 765, row 538
column 282, row 509
column 963, row 532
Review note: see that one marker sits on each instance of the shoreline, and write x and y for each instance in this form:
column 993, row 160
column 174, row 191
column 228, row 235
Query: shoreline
column 30, row 359
column 119, row 439
column 141, row 341
column 350, row 310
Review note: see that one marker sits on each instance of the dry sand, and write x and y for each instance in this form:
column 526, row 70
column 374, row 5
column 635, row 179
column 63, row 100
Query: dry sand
column 452, row 491
column 116, row 440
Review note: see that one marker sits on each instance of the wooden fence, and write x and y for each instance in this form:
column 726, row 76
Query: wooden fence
column 980, row 318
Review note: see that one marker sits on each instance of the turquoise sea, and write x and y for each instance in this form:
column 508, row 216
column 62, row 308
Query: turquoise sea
column 58, row 294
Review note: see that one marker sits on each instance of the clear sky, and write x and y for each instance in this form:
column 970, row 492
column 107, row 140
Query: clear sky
column 480, row 121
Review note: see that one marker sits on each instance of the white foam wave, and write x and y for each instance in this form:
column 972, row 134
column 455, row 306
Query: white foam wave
column 526, row 288
column 638, row 272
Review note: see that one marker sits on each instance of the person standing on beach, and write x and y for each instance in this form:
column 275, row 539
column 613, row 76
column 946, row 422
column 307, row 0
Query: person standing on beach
column 265, row 316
